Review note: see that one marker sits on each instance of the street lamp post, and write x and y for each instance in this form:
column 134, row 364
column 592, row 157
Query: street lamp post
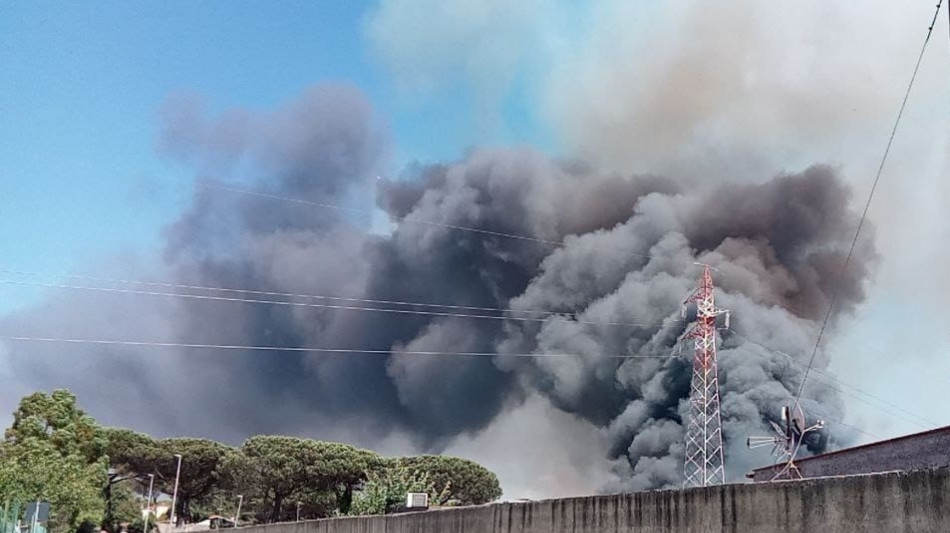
column 148, row 502
column 298, row 511
column 175, row 491
column 238, row 515
column 36, row 517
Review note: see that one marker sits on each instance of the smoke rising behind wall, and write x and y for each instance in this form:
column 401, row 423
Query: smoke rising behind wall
column 630, row 243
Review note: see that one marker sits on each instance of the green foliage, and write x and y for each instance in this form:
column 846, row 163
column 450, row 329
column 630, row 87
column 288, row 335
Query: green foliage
column 386, row 489
column 136, row 454
column 129, row 451
column 219, row 502
column 273, row 471
column 8, row 480
column 317, row 504
column 54, row 452
column 447, row 481
column 126, row 507
column 55, row 418
column 461, row 481
column 199, row 469
column 138, row 525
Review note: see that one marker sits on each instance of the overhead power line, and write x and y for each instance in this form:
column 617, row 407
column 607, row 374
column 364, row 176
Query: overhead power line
column 877, row 178
column 411, row 220
column 428, row 305
column 131, row 291
column 18, row 338
column 22, row 338
column 331, row 306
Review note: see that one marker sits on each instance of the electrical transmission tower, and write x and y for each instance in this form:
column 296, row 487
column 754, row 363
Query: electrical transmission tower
column 704, row 464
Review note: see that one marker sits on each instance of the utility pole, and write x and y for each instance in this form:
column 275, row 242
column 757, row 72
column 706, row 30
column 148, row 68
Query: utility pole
column 36, row 517
column 703, row 464
column 148, row 502
column 237, row 515
column 173, row 522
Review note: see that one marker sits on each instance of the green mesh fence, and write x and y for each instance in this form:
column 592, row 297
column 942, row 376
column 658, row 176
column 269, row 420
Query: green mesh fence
column 9, row 516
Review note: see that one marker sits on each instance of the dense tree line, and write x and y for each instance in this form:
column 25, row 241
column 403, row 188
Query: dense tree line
column 95, row 476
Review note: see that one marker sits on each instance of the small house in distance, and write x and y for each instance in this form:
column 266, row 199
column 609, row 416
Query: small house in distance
column 918, row 451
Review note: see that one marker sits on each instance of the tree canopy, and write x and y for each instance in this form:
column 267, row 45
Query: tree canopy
column 128, row 450
column 385, row 490
column 55, row 418
column 462, row 480
column 136, row 455
column 199, row 468
column 275, row 470
column 54, row 452
column 447, row 481
column 95, row 475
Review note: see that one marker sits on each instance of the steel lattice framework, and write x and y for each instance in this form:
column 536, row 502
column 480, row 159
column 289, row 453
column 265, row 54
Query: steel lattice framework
column 704, row 459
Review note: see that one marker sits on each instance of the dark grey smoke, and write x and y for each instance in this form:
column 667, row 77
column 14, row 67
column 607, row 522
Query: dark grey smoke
column 629, row 247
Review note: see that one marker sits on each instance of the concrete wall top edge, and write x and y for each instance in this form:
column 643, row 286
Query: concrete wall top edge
column 890, row 501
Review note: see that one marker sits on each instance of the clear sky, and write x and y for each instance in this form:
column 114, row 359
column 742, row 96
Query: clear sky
column 81, row 86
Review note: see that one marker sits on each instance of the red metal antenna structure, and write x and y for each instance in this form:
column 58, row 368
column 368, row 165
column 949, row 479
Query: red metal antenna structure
column 704, row 458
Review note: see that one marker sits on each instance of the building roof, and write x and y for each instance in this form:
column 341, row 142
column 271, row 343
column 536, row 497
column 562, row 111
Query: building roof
column 945, row 429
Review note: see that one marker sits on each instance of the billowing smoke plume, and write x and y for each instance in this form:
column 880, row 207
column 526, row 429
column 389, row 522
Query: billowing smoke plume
column 628, row 253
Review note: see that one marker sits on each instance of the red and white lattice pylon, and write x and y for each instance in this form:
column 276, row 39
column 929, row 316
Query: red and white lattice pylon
column 704, row 458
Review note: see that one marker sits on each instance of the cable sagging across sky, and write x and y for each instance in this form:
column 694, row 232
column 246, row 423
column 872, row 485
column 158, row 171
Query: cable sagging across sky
column 307, row 349
column 331, row 306
column 877, row 178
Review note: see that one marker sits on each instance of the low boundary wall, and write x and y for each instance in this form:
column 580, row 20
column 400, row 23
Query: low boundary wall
column 911, row 502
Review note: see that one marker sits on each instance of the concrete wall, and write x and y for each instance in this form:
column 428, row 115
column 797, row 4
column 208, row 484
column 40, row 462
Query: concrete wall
column 917, row 502
column 930, row 449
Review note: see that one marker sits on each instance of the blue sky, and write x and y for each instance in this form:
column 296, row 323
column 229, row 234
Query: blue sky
column 82, row 84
